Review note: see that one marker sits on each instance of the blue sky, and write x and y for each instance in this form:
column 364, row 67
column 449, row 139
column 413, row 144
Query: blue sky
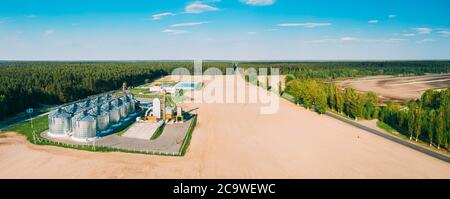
column 224, row 29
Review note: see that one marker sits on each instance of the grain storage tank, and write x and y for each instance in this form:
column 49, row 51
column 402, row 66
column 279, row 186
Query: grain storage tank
column 122, row 108
column 72, row 109
column 128, row 104
column 85, row 127
column 133, row 105
column 59, row 122
column 102, row 118
column 157, row 108
column 113, row 111
column 96, row 101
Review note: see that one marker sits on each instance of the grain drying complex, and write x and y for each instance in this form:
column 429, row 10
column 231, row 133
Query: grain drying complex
column 91, row 118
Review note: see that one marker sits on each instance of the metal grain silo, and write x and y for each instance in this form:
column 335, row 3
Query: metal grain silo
column 114, row 113
column 128, row 104
column 102, row 118
column 133, row 105
column 85, row 127
column 59, row 122
column 72, row 109
column 122, row 108
column 96, row 101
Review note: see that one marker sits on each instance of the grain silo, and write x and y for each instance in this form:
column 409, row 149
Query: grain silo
column 122, row 108
column 132, row 105
column 102, row 118
column 59, row 122
column 72, row 109
column 92, row 117
column 157, row 108
column 84, row 104
column 85, row 127
column 114, row 112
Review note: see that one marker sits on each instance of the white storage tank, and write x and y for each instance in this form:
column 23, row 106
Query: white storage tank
column 72, row 109
column 133, row 106
column 85, row 127
column 122, row 108
column 59, row 122
column 102, row 118
column 113, row 111
column 157, row 108
column 85, row 104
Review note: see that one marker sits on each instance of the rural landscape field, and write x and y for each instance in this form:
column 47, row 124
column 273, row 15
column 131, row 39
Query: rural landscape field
column 239, row 89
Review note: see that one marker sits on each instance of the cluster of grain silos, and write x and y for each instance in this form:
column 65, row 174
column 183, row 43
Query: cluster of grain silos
column 92, row 117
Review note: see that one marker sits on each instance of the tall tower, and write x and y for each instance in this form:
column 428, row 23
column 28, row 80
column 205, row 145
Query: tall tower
column 124, row 88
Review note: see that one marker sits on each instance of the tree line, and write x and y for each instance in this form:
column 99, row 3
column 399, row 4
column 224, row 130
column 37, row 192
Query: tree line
column 426, row 119
column 335, row 70
column 30, row 84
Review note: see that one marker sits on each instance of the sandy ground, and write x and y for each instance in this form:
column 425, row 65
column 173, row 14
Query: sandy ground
column 399, row 88
column 235, row 141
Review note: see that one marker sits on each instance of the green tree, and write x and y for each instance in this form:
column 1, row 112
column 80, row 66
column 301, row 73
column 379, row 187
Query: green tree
column 418, row 122
column 431, row 125
column 369, row 105
column 440, row 127
column 411, row 119
column 339, row 100
column 321, row 103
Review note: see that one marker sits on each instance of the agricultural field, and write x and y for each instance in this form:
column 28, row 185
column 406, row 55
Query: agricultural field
column 398, row 88
column 293, row 143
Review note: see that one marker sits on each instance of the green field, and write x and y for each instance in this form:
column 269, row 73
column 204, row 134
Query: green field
column 40, row 124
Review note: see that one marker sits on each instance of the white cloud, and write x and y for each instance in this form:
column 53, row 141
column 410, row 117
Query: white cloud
column 323, row 41
column 252, row 33
column 160, row 15
column 174, row 31
column 423, row 31
column 199, row 7
column 397, row 39
column 348, row 39
column 373, row 21
column 353, row 39
column 189, row 24
column 258, row 2
column 409, row 35
column 392, row 16
column 445, row 33
column 49, row 32
column 425, row 41
column 305, row 25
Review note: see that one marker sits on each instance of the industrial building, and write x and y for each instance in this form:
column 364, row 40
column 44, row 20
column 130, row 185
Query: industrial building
column 93, row 117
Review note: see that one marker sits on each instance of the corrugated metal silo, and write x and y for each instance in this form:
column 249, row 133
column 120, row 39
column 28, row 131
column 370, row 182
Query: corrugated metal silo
column 122, row 108
column 102, row 118
column 72, row 109
column 85, row 127
column 114, row 112
column 133, row 106
column 59, row 122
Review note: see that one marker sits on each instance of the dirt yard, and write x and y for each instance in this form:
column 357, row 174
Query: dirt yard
column 233, row 140
column 398, row 88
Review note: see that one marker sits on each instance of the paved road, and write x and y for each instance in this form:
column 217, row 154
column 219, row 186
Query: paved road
column 390, row 137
